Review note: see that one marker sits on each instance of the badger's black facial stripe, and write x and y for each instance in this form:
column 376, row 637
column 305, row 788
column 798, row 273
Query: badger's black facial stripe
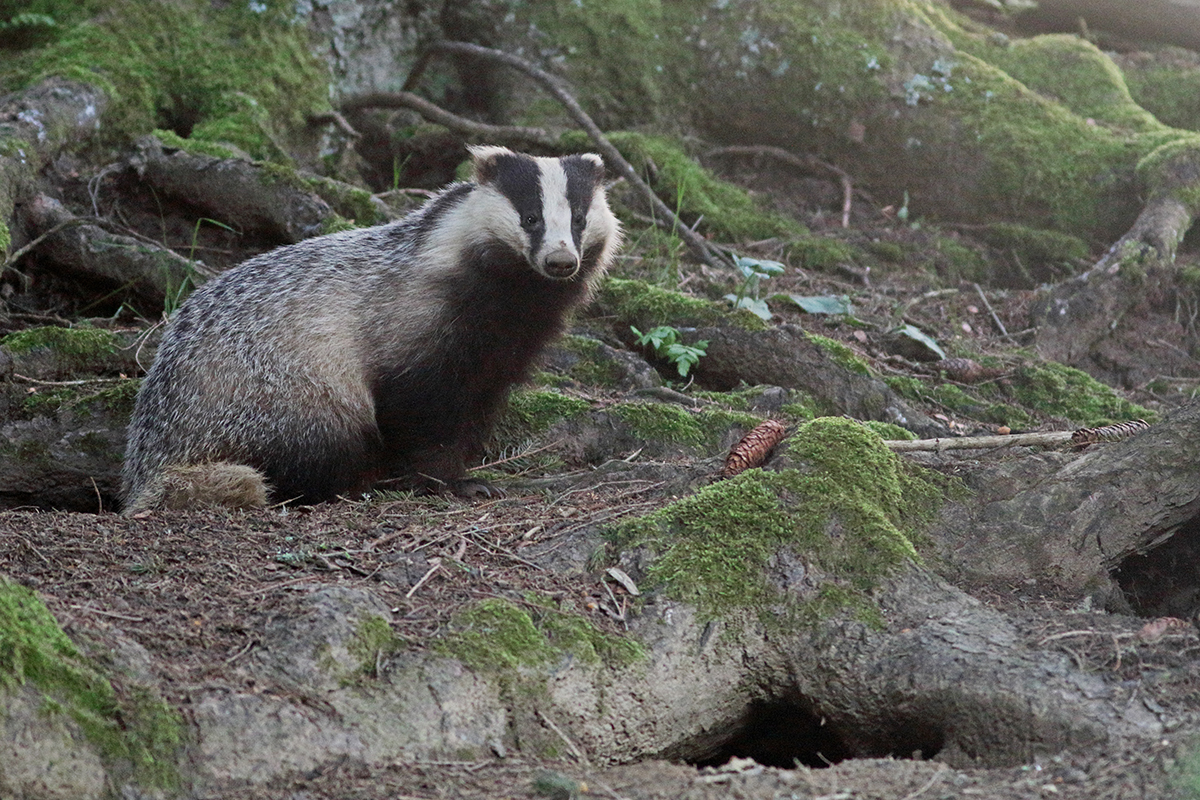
column 582, row 175
column 518, row 178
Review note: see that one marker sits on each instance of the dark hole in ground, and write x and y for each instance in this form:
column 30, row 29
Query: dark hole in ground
column 1164, row 582
column 783, row 733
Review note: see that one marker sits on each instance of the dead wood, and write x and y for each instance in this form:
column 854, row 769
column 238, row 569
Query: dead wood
column 238, row 193
column 1072, row 524
column 785, row 356
column 133, row 265
column 1079, row 438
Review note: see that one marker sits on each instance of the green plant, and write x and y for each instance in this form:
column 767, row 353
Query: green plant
column 664, row 340
column 754, row 270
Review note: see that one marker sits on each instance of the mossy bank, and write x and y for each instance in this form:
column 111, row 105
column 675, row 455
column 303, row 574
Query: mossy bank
column 796, row 544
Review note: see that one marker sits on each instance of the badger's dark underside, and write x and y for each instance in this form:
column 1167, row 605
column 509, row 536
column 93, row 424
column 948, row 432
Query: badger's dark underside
column 433, row 415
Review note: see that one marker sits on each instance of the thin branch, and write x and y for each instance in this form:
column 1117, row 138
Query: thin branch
column 695, row 242
column 805, row 162
column 338, row 121
column 467, row 127
column 995, row 319
column 980, row 442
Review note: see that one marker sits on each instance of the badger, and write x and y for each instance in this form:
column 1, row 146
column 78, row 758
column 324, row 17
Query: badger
column 320, row 368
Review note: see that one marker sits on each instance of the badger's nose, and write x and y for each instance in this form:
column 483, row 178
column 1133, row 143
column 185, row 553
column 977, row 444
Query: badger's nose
column 560, row 263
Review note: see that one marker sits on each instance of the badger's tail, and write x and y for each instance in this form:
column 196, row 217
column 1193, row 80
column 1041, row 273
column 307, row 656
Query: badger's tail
column 184, row 486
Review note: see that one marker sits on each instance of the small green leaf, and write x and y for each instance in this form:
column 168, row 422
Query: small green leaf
column 753, row 305
column 761, row 267
column 916, row 334
column 823, row 304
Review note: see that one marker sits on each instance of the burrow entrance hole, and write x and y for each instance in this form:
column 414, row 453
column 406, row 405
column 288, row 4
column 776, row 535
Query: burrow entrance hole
column 786, row 732
column 1165, row 581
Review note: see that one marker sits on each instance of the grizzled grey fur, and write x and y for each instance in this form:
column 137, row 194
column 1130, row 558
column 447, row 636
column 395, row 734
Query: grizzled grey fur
column 321, row 368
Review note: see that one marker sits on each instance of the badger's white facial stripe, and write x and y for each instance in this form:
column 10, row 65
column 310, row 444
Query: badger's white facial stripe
column 551, row 210
column 485, row 216
column 558, row 255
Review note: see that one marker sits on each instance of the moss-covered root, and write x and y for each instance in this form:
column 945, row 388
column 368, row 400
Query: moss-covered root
column 1172, row 174
column 835, row 524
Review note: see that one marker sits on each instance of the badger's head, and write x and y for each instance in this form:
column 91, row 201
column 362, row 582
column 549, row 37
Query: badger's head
column 551, row 210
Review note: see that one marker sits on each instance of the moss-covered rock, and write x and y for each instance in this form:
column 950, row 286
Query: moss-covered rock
column 134, row 732
column 242, row 74
column 665, row 424
column 846, row 512
column 1061, row 391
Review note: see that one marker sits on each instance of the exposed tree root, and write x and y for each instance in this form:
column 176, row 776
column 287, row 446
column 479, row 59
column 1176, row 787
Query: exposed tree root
column 136, row 265
column 237, row 192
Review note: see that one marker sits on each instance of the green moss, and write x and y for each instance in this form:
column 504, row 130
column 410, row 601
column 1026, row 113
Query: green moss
column 1076, row 74
column 822, row 253
column 956, row 261
column 725, row 210
column 173, row 141
column 80, row 345
column 135, row 730
column 499, row 636
column 1061, row 391
column 356, row 205
column 888, row 251
column 1171, row 167
column 570, row 632
column 591, row 368
column 644, row 306
column 536, row 410
column 672, row 424
column 617, row 49
column 841, row 355
column 236, row 73
column 1033, row 245
column 1167, row 84
column 5, row 239
column 372, row 636
column 117, row 399
column 848, row 512
column 887, row 430
column 1045, row 116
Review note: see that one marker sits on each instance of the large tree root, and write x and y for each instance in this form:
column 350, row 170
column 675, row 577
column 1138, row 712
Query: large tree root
column 1072, row 522
column 1076, row 317
column 143, row 269
column 236, row 192
column 785, row 356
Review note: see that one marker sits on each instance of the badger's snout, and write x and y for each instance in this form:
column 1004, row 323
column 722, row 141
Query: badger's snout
column 560, row 263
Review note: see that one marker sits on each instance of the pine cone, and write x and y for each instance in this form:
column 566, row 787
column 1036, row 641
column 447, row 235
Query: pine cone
column 754, row 448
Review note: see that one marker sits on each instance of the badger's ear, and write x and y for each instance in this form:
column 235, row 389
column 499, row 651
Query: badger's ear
column 597, row 164
column 484, row 158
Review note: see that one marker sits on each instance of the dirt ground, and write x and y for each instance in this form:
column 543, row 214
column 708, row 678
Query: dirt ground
column 197, row 590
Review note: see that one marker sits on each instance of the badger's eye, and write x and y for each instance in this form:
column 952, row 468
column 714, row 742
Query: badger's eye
column 530, row 220
column 579, row 219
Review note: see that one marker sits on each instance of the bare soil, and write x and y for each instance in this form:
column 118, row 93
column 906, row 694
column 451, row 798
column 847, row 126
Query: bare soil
column 197, row 590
